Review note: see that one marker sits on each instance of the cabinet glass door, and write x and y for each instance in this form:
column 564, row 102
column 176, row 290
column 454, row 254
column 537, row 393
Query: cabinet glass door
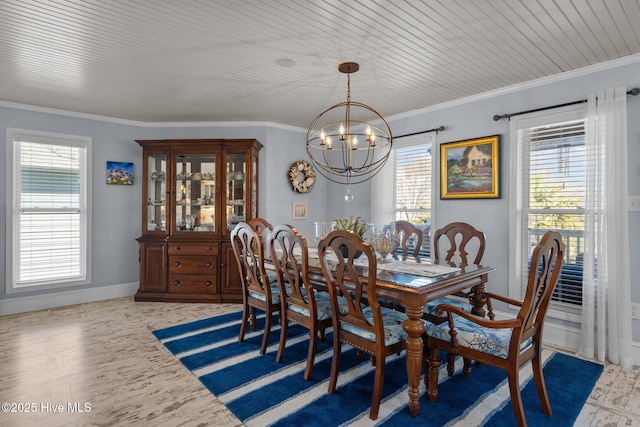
column 236, row 189
column 156, row 193
column 195, row 192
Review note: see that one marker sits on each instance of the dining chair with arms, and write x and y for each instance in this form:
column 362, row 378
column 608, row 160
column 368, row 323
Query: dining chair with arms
column 258, row 292
column 406, row 230
column 506, row 344
column 300, row 302
column 368, row 327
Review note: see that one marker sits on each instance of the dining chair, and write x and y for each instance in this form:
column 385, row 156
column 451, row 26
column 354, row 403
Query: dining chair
column 299, row 301
column 263, row 227
column 364, row 325
column 406, row 229
column 258, row 292
column 506, row 344
column 462, row 244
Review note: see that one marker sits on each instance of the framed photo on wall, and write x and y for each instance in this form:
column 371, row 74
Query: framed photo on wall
column 299, row 210
column 470, row 169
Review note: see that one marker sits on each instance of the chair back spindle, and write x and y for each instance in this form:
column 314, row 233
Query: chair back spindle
column 292, row 265
column 546, row 265
column 461, row 238
column 249, row 252
column 406, row 230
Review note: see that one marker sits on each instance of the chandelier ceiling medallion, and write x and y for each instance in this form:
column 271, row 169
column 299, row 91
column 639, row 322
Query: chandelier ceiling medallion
column 350, row 142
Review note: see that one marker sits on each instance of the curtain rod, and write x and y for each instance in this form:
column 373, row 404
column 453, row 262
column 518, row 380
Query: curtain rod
column 436, row 130
column 635, row 91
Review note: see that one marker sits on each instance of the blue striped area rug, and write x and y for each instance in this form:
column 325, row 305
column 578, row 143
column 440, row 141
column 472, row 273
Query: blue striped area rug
column 261, row 392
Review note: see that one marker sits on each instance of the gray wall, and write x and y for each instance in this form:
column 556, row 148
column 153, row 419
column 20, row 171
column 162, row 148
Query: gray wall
column 116, row 210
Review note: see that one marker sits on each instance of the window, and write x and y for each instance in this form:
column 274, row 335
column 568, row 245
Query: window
column 48, row 212
column 412, row 182
column 402, row 189
column 549, row 194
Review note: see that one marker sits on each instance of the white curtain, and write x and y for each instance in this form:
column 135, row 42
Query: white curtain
column 382, row 208
column 606, row 310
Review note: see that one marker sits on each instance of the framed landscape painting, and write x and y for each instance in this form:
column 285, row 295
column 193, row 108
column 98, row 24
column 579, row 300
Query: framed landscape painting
column 470, row 169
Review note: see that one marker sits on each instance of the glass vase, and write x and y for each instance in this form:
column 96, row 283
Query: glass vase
column 384, row 239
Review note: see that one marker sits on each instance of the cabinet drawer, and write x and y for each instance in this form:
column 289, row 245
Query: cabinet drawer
column 193, row 249
column 192, row 284
column 192, row 264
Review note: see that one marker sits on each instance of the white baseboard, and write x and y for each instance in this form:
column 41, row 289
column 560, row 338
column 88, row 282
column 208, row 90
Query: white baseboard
column 64, row 298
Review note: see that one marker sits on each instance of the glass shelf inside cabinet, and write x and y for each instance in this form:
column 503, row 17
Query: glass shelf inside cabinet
column 195, row 191
column 236, row 189
column 156, row 193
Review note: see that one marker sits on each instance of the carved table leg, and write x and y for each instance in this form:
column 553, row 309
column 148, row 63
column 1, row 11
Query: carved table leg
column 478, row 299
column 415, row 328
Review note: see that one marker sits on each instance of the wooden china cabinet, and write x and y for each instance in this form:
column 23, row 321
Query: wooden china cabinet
column 194, row 193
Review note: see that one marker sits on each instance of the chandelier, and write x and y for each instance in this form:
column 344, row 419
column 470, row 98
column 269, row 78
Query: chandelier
column 350, row 142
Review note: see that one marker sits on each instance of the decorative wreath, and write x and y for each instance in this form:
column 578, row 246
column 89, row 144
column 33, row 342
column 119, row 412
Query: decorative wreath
column 302, row 176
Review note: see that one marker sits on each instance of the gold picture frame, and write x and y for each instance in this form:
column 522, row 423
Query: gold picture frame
column 299, row 210
column 470, row 169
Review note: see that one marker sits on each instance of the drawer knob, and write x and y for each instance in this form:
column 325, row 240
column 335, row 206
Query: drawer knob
column 208, row 284
column 177, row 283
column 177, row 248
column 208, row 248
column 177, row 264
column 209, row 265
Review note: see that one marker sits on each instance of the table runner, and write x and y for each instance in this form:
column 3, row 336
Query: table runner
column 410, row 266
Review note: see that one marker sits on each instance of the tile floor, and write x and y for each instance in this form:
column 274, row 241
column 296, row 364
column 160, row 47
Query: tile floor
column 104, row 356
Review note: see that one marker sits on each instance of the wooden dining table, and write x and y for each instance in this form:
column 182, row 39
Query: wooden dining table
column 413, row 283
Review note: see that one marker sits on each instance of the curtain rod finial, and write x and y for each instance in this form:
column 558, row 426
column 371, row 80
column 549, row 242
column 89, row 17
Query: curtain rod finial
column 635, row 91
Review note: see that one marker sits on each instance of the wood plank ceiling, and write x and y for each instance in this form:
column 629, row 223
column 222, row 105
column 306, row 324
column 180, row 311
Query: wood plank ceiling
column 256, row 60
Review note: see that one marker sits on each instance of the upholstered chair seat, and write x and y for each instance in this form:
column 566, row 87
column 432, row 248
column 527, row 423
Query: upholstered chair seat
column 392, row 321
column 323, row 306
column 471, row 335
column 430, row 308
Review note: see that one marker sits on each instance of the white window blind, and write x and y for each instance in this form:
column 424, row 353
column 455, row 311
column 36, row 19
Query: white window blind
column 551, row 195
column 49, row 210
column 412, row 189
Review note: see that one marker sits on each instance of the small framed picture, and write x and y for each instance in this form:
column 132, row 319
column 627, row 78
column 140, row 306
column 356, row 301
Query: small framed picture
column 299, row 210
column 470, row 169
column 119, row 173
